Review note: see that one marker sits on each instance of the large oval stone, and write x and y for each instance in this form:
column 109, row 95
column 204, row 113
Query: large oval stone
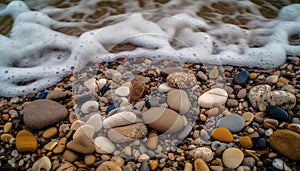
column 257, row 96
column 26, row 142
column 213, row 98
column 127, row 133
column 233, row 122
column 181, row 80
column 178, row 100
column 42, row 113
column 284, row 99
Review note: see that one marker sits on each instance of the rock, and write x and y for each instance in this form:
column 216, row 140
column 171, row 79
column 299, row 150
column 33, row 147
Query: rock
column 143, row 157
column 89, row 106
column 82, row 144
column 164, row 88
column 213, row 98
column 242, row 93
column 153, row 165
column 50, row 145
column 6, row 137
column 233, row 122
column 96, row 121
column 76, row 124
column 184, row 132
column 181, row 80
column 272, row 79
column 119, row 119
column 232, row 157
column 127, row 133
column 283, row 99
column 140, row 78
column 242, row 77
column 152, row 140
column 89, row 159
column 202, row 152
column 70, row 156
column 91, row 85
column 287, row 143
column 278, row 113
column 42, row 113
column 43, row 163
column 178, row 100
column 7, row 127
column 188, row 167
column 56, row 94
column 104, row 145
column 145, row 166
column 122, row 91
column 280, row 165
column 257, row 96
column 248, row 117
column 201, row 76
column 222, row 134
column 163, row 119
column 60, row 146
column 259, row 143
column 83, row 98
column 294, row 127
column 253, row 76
column 86, row 130
column 50, row 132
column 246, row 142
column 232, row 103
column 200, row 165
column 26, row 142
column 109, row 165
column 137, row 91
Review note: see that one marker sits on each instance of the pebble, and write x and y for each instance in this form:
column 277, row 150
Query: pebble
column 96, row 121
column 252, row 76
column 127, row 133
column 201, row 76
column 89, row 159
column 232, row 103
column 82, row 144
column 202, row 152
column 89, row 106
column 50, row 132
column 181, row 80
column 272, row 79
column 164, row 88
column 278, row 113
column 103, row 145
column 137, row 91
column 200, row 165
column 43, row 163
column 283, row 99
column 60, row 146
column 86, row 130
column 26, row 142
column 119, row 119
column 257, row 96
column 42, row 113
column 143, row 157
column 294, row 127
column 56, row 94
column 242, row 77
column 163, row 119
column 70, row 156
column 7, row 127
column 145, row 166
column 233, row 122
column 249, row 161
column 51, row 145
column 153, row 165
column 246, row 142
column 109, row 165
column 222, row 134
column 280, row 164
column 178, row 100
column 213, row 98
column 248, row 117
column 152, row 140
column 122, row 91
column 91, row 84
column 76, row 124
column 242, row 93
column 214, row 73
column 287, row 143
column 232, row 158
column 268, row 132
column 6, row 137
column 259, row 143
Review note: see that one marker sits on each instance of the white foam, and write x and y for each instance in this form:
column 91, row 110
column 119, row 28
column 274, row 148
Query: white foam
column 34, row 52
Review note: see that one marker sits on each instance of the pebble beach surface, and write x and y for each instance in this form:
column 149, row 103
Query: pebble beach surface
column 139, row 114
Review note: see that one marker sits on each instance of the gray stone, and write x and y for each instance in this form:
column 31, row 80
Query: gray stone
column 233, row 122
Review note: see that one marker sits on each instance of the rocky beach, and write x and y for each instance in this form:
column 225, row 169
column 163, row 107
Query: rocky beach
column 140, row 114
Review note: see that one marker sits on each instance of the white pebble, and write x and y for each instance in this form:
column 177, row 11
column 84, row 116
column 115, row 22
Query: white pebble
column 269, row 132
column 43, row 163
column 143, row 157
column 89, row 106
column 91, row 85
column 101, row 83
column 96, row 121
column 119, row 119
column 250, row 130
column 164, row 88
column 122, row 91
column 103, row 145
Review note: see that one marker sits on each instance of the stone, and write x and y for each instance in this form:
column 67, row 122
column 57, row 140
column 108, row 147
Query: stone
column 119, row 119
column 103, row 145
column 137, row 91
column 86, row 130
column 89, row 106
column 181, row 80
column 109, row 165
column 201, row 76
column 42, row 113
column 7, row 127
column 242, row 77
column 213, row 98
column 200, row 165
column 222, row 134
column 70, row 156
column 287, row 143
column 280, row 165
column 246, row 142
column 252, row 76
column 163, row 119
column 294, row 127
column 122, row 91
column 50, row 132
column 127, row 133
column 232, row 157
column 283, row 99
column 242, row 93
column 50, row 145
column 153, row 165
column 91, row 85
column 82, row 144
column 60, row 146
column 56, row 94
column 178, row 100
column 152, row 140
column 96, row 121
column 164, row 88
column 278, row 113
column 259, row 142
column 232, row 103
column 140, row 78
column 89, row 159
column 26, row 142
column 43, row 163
column 76, row 124
column 233, row 122
column 202, row 152
column 257, row 96
column 248, row 117
column 272, row 79
column 6, row 137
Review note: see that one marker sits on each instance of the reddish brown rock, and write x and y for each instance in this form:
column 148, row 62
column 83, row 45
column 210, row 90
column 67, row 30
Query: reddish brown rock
column 137, row 91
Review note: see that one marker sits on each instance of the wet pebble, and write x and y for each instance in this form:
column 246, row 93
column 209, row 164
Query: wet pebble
column 278, row 113
column 233, row 122
column 232, row 157
column 242, row 77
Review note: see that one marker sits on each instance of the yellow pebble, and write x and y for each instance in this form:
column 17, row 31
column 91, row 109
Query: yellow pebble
column 80, row 164
column 5, row 117
column 6, row 137
column 252, row 76
column 153, row 165
column 7, row 127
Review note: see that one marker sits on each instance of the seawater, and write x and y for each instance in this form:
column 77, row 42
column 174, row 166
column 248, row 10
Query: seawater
column 42, row 41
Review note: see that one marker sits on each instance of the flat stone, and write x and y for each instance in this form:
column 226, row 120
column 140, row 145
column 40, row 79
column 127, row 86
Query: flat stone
column 233, row 122
column 56, row 94
column 257, row 96
column 248, row 117
column 213, row 98
column 278, row 113
column 232, row 103
column 50, row 132
column 82, row 144
column 26, row 142
column 232, row 157
column 122, row 91
column 96, row 121
column 127, row 133
column 109, row 165
column 214, row 73
column 7, row 127
column 164, row 88
column 119, row 119
column 242, row 93
column 6, row 137
column 181, row 80
column 222, row 134
column 42, row 113
column 272, row 79
column 246, row 142
column 89, row 159
column 178, row 100
column 61, row 145
column 70, row 156
column 202, row 152
column 287, row 143
column 163, row 119
column 137, row 91
column 201, row 165
column 103, row 145
column 259, row 142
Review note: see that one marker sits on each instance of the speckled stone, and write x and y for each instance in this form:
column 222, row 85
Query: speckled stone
column 283, row 99
column 127, row 133
column 257, row 96
column 137, row 91
column 233, row 122
column 202, row 152
column 181, row 80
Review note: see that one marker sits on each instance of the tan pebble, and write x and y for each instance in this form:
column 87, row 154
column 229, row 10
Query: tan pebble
column 248, row 116
column 61, row 146
column 76, row 124
column 232, row 157
column 80, row 164
column 212, row 112
column 50, row 132
column 202, row 117
column 89, row 159
column 49, row 154
column 252, row 76
column 259, row 115
column 70, row 156
column 66, row 166
column 188, row 167
column 73, row 117
column 222, row 134
column 250, row 154
column 171, row 156
column 200, row 165
column 203, row 153
column 246, row 142
column 118, row 160
column 6, row 137
column 153, row 165
column 272, row 121
column 214, row 73
column 87, row 130
column 5, row 117
column 105, row 157
column 294, row 127
column 51, row 145
column 7, row 127
column 152, row 140
column 254, row 135
column 109, row 165
column 26, row 142
column 43, row 163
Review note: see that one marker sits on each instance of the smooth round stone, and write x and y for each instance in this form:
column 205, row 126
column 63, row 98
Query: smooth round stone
column 122, row 91
column 163, row 119
column 287, row 143
column 7, row 127
column 278, row 113
column 61, row 146
column 89, row 106
column 222, row 134
column 181, row 80
column 246, row 142
column 201, row 165
column 242, row 77
column 232, row 157
column 164, row 88
column 257, row 96
column 259, row 143
column 119, row 119
column 213, row 98
column 91, row 84
column 43, row 163
column 127, row 133
column 233, row 122
column 95, row 121
column 70, row 156
column 202, row 152
column 26, row 142
column 109, row 165
column 242, row 94
column 280, row 164
column 248, row 117
column 87, row 130
column 214, row 73
column 89, row 159
column 283, row 99
column 42, row 113
column 145, row 166
column 103, row 145
column 6, row 137
column 82, row 144
column 178, row 100
column 294, row 127
column 56, row 94
column 50, row 132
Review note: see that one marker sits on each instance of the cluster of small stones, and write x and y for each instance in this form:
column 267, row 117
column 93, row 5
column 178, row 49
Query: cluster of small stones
column 144, row 115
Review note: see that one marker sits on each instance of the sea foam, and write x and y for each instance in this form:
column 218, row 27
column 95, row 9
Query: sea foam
column 34, row 55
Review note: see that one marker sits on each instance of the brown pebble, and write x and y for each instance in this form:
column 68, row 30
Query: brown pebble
column 49, row 133
column 222, row 134
column 200, row 165
column 26, row 142
column 6, row 137
column 70, row 156
column 109, row 165
column 7, row 127
column 246, row 142
column 152, row 140
column 89, row 159
column 61, row 146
